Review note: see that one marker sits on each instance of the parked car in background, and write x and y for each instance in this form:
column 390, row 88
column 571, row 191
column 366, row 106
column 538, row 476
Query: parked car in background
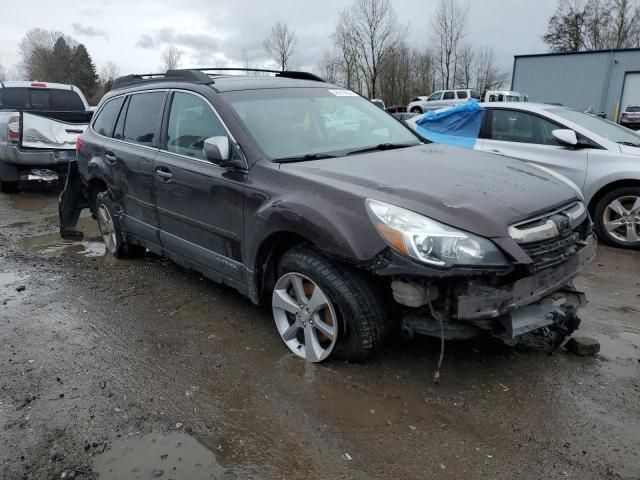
column 441, row 99
column 602, row 158
column 378, row 103
column 39, row 125
column 630, row 118
column 504, row 96
column 349, row 235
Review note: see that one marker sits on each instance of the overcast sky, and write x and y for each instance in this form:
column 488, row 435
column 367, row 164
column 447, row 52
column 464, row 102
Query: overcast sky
column 133, row 33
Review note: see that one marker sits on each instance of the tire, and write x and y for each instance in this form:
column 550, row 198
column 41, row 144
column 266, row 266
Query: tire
column 8, row 187
column 608, row 215
column 416, row 110
column 361, row 318
column 111, row 229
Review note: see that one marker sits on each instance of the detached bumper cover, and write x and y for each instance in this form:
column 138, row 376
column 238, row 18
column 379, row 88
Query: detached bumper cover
column 494, row 302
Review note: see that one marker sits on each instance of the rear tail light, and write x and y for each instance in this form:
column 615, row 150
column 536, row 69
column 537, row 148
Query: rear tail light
column 38, row 84
column 79, row 143
column 13, row 129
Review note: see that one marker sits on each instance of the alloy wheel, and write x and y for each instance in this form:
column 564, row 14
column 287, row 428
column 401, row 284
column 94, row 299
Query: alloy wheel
column 621, row 218
column 107, row 229
column 305, row 317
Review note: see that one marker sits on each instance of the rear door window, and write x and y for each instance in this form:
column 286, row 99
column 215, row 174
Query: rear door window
column 191, row 122
column 462, row 94
column 41, row 99
column 143, row 117
column 106, row 119
column 449, row 96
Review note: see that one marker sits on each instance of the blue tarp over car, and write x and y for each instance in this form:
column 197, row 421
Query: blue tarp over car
column 458, row 125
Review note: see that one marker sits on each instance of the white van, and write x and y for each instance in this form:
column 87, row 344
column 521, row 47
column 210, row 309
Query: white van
column 504, row 96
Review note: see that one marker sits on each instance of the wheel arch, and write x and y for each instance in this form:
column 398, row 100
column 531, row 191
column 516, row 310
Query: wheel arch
column 595, row 199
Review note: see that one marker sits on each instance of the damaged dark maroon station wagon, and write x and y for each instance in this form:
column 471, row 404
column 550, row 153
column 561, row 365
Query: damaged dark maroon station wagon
column 306, row 195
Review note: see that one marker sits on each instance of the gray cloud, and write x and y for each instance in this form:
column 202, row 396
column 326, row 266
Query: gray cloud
column 145, row 41
column 88, row 31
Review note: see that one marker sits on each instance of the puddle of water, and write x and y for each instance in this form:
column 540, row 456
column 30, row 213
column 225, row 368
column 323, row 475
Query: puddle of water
column 621, row 354
column 52, row 244
column 176, row 455
column 28, row 202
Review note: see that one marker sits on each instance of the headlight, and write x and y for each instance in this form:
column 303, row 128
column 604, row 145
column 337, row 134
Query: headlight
column 429, row 241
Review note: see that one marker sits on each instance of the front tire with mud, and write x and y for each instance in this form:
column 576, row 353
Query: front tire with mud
column 111, row 229
column 352, row 303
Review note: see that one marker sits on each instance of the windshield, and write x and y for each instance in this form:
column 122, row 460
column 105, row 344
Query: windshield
column 303, row 122
column 632, row 109
column 599, row 126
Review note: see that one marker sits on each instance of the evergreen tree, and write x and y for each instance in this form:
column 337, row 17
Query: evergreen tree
column 60, row 66
column 83, row 71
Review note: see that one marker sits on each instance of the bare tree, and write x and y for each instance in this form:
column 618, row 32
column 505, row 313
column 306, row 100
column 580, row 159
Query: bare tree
column 449, row 27
column 281, row 44
column 108, row 73
column 330, row 67
column 372, row 30
column 37, row 56
column 594, row 25
column 171, row 57
column 345, row 42
column 488, row 75
column 464, row 72
column 3, row 73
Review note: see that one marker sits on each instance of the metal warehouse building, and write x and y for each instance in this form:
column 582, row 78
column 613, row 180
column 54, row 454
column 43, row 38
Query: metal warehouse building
column 606, row 80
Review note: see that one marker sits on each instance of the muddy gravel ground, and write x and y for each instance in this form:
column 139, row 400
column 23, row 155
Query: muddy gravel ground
column 140, row 369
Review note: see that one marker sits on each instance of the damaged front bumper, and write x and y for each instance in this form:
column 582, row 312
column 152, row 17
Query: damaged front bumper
column 466, row 307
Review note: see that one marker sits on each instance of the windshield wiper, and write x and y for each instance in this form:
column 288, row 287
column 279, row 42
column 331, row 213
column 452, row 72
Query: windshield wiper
column 630, row 144
column 304, row 158
column 382, row 147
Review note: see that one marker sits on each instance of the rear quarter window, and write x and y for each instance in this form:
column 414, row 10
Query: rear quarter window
column 107, row 116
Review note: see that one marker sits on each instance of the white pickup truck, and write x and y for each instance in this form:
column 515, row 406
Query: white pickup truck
column 39, row 125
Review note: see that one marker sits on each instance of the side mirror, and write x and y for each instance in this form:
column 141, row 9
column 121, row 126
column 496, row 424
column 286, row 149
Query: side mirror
column 565, row 137
column 217, row 149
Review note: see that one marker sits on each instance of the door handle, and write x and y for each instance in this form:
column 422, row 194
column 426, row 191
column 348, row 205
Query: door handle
column 110, row 158
column 164, row 174
column 74, row 130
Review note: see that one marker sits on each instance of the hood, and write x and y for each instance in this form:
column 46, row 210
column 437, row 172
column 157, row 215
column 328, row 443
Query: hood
column 476, row 192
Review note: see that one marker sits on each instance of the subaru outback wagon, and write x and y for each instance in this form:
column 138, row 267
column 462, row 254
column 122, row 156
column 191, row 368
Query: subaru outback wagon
column 350, row 229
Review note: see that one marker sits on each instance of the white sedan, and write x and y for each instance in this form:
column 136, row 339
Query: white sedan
column 599, row 156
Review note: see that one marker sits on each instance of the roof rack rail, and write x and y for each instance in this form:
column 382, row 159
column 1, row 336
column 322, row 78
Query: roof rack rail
column 278, row 73
column 187, row 75
column 199, row 75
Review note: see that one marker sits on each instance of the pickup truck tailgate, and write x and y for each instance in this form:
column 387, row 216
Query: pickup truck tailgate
column 44, row 132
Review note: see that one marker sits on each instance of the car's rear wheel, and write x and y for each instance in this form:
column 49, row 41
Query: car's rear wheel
column 111, row 229
column 617, row 218
column 416, row 110
column 323, row 309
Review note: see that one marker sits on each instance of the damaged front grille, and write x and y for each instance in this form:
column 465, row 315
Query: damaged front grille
column 552, row 239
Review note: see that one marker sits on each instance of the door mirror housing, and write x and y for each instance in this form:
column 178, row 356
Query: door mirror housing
column 566, row 137
column 218, row 150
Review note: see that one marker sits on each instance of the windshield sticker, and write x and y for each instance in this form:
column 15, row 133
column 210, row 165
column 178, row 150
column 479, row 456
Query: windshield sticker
column 343, row 93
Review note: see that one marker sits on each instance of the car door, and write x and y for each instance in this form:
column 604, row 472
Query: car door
column 199, row 203
column 130, row 153
column 448, row 98
column 526, row 136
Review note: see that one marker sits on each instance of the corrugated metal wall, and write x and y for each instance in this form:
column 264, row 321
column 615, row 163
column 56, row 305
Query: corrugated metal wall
column 576, row 80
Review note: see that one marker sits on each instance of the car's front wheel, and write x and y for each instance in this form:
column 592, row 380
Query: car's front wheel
column 617, row 218
column 416, row 110
column 111, row 229
column 322, row 308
